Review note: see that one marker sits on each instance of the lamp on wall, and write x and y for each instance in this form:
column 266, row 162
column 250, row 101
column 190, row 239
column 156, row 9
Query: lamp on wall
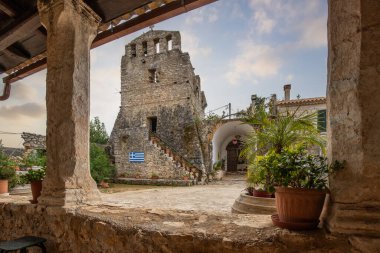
column 235, row 139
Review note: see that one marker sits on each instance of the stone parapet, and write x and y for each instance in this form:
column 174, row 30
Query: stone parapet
column 103, row 228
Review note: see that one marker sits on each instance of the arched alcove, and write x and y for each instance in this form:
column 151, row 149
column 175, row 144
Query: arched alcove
column 225, row 134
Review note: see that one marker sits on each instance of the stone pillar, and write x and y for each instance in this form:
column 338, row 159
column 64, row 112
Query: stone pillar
column 353, row 98
column 71, row 27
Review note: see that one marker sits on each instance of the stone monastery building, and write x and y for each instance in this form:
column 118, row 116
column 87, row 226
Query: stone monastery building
column 156, row 132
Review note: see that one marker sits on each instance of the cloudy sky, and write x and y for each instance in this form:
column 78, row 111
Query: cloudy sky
column 238, row 48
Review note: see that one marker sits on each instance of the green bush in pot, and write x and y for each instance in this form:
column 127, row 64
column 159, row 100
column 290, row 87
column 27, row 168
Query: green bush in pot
column 301, row 182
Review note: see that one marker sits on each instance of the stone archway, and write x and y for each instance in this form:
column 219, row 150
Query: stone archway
column 224, row 134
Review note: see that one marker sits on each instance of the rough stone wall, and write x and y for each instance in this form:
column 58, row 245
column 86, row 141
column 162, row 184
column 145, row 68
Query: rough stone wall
column 33, row 141
column 157, row 163
column 114, row 229
column 162, row 85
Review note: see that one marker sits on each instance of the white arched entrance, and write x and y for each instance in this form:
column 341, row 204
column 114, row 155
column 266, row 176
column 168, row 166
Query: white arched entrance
column 225, row 134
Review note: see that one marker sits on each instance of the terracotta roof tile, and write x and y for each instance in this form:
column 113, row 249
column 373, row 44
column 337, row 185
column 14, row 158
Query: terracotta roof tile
column 302, row 101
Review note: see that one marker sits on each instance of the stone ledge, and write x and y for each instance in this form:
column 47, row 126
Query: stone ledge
column 159, row 182
column 104, row 228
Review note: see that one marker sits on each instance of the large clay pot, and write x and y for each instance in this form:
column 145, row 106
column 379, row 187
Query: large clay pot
column 36, row 190
column 3, row 186
column 299, row 205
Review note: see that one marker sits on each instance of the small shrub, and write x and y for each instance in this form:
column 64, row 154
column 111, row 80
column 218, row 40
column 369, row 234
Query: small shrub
column 218, row 165
column 34, row 175
column 7, row 167
column 100, row 166
column 298, row 169
column 35, row 158
column 7, row 173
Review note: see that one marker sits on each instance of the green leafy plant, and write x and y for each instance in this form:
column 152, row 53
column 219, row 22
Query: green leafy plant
column 217, row 165
column 259, row 175
column 35, row 158
column 98, row 133
column 7, row 167
column 271, row 135
column 297, row 169
column 34, row 175
column 7, row 173
column 276, row 133
column 100, row 166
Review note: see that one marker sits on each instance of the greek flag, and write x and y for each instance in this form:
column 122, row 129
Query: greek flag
column 136, row 157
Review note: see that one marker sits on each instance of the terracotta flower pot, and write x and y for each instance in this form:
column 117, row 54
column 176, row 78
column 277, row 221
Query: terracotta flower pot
column 261, row 194
column 299, row 205
column 36, row 190
column 3, row 186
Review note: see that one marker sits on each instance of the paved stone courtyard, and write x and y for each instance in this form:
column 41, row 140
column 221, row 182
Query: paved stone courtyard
column 216, row 197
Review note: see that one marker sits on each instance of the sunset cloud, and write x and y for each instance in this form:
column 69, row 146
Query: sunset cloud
column 33, row 110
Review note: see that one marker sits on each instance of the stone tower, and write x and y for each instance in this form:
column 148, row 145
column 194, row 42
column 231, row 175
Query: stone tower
column 161, row 97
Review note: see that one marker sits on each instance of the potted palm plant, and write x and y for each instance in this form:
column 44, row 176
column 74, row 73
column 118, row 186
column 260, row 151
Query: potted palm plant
column 273, row 134
column 7, row 172
column 300, row 180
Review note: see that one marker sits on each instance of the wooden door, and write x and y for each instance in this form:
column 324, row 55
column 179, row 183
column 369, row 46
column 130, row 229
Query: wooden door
column 233, row 151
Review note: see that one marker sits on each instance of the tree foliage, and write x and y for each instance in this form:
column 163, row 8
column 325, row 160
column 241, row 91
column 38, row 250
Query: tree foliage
column 98, row 133
column 35, row 158
column 100, row 166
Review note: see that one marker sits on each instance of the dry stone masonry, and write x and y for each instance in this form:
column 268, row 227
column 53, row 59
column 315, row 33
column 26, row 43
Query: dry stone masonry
column 160, row 96
column 33, row 141
column 104, row 228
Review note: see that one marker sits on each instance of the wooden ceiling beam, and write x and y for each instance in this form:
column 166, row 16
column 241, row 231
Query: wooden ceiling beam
column 7, row 9
column 2, row 68
column 18, row 52
column 172, row 9
column 21, row 30
column 27, row 71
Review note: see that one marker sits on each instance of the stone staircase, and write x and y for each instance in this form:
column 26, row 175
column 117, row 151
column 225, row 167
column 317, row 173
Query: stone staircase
column 195, row 173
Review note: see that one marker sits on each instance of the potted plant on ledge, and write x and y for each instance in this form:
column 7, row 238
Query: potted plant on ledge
column 35, row 178
column 7, row 172
column 300, row 180
column 272, row 134
column 259, row 178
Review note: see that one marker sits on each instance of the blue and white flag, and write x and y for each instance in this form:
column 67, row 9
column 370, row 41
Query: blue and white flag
column 136, row 157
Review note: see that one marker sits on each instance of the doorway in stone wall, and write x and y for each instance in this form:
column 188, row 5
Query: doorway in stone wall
column 152, row 121
column 233, row 153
